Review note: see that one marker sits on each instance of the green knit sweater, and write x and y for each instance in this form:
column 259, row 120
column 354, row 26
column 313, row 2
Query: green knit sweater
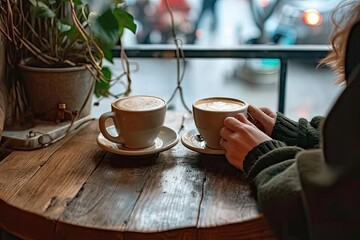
column 301, row 196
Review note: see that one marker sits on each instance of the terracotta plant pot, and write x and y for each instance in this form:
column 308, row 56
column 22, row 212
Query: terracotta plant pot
column 46, row 88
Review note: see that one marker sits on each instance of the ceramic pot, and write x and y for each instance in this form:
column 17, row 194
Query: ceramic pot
column 46, row 88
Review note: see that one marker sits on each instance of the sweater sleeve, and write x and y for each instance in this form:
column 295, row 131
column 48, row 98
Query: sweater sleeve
column 303, row 133
column 271, row 171
column 265, row 155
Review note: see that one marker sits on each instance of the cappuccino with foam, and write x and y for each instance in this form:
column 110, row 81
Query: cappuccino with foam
column 140, row 103
column 210, row 113
column 137, row 119
column 219, row 104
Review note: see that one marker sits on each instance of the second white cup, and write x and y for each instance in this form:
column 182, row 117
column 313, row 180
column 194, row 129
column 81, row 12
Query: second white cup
column 210, row 113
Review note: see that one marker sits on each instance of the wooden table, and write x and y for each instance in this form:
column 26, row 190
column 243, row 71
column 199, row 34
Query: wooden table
column 73, row 189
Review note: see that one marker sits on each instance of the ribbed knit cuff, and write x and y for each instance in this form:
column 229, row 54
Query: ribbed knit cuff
column 285, row 130
column 263, row 148
column 303, row 134
column 278, row 155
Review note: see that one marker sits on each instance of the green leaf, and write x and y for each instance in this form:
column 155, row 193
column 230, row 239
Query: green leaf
column 63, row 27
column 102, row 87
column 42, row 10
column 107, row 72
column 125, row 20
column 73, row 33
column 108, row 54
column 105, row 27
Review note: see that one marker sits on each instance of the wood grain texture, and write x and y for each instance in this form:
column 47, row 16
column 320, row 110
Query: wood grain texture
column 75, row 190
column 3, row 90
column 225, row 188
column 39, row 184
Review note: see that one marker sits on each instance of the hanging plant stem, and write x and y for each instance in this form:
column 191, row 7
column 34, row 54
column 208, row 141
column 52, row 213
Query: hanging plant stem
column 180, row 56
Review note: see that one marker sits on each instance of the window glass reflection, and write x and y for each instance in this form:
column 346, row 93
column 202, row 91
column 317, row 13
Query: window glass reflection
column 232, row 22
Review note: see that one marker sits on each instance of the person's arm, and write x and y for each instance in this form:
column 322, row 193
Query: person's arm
column 270, row 167
column 271, row 170
column 304, row 134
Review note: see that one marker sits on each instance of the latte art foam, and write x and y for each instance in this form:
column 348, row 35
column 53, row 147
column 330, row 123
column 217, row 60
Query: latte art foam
column 219, row 105
column 142, row 103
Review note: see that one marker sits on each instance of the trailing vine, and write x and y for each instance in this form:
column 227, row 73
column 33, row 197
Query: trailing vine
column 180, row 58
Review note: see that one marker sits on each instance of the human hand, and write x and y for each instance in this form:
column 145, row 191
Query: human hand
column 263, row 118
column 239, row 136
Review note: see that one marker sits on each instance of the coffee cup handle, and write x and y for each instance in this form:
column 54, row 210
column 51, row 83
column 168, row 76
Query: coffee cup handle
column 103, row 129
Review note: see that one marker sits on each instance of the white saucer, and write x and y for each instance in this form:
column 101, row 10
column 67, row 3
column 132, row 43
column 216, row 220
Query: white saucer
column 166, row 139
column 193, row 141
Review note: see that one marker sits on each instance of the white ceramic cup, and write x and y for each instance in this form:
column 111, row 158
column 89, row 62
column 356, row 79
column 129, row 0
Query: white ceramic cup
column 209, row 115
column 137, row 119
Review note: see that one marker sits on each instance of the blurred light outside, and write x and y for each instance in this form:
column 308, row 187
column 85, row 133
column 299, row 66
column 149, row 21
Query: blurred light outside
column 312, row 17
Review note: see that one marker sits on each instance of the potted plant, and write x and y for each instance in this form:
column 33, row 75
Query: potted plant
column 62, row 37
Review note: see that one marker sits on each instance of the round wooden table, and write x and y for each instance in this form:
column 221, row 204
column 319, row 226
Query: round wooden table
column 73, row 189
